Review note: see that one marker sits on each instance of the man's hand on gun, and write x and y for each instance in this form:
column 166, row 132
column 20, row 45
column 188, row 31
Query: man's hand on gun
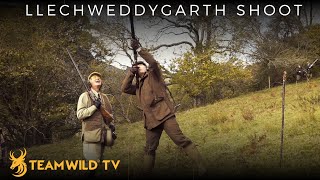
column 97, row 103
column 135, row 44
column 134, row 69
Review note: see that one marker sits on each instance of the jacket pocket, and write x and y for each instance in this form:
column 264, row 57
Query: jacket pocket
column 156, row 100
column 93, row 136
column 160, row 109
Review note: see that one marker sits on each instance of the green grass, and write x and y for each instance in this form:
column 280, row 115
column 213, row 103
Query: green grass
column 238, row 136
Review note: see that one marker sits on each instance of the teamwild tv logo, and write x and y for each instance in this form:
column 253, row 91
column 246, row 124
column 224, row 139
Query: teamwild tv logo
column 19, row 163
column 82, row 165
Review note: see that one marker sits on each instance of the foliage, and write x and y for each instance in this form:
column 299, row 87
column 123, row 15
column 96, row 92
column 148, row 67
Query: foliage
column 39, row 89
column 281, row 44
column 205, row 80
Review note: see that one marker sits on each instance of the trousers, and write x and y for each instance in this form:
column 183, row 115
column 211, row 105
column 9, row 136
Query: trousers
column 171, row 127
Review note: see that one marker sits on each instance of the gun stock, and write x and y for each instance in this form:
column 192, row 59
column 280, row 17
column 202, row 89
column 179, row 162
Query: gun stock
column 108, row 118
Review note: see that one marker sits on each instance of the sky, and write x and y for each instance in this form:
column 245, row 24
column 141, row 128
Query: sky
column 165, row 55
column 147, row 36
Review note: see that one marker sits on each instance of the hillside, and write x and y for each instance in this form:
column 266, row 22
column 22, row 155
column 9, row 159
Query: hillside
column 237, row 137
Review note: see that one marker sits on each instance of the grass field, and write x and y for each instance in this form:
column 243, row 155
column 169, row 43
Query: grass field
column 237, row 137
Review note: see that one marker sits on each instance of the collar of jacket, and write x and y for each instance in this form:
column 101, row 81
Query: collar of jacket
column 97, row 94
column 145, row 76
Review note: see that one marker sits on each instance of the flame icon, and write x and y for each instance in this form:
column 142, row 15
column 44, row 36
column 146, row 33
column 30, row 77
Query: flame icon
column 19, row 162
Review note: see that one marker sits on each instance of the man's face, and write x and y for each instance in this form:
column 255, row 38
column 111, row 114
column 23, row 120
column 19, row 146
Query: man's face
column 142, row 69
column 95, row 81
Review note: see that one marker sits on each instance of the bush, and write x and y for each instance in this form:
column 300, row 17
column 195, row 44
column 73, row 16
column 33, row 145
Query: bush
column 247, row 114
column 217, row 118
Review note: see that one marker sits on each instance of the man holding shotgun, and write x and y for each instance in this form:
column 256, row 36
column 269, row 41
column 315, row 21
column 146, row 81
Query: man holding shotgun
column 93, row 124
column 158, row 109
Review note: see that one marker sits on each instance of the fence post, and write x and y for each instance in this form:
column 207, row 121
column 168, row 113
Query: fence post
column 284, row 77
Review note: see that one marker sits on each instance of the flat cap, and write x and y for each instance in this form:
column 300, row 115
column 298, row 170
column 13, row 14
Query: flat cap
column 94, row 73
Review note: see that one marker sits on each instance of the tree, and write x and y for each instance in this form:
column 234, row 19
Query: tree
column 205, row 80
column 39, row 89
column 196, row 74
column 274, row 44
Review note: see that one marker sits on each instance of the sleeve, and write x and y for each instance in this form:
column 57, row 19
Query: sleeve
column 154, row 66
column 127, row 86
column 82, row 110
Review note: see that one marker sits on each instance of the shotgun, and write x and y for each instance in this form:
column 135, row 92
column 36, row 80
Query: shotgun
column 133, row 35
column 107, row 117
